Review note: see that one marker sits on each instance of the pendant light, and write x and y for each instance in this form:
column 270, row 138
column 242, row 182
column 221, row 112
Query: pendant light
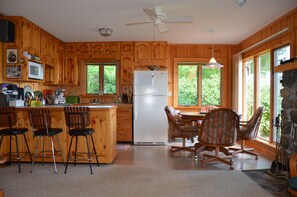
column 212, row 62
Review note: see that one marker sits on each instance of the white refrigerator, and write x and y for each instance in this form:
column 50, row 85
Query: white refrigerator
column 150, row 90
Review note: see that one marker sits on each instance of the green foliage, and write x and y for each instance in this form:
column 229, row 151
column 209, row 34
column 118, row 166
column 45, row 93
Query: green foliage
column 93, row 79
column 188, row 86
column 110, row 79
column 211, row 86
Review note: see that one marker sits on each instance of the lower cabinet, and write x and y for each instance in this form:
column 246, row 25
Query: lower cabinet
column 124, row 123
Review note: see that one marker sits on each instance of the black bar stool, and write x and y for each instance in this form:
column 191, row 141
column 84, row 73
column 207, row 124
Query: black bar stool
column 8, row 122
column 40, row 121
column 78, row 120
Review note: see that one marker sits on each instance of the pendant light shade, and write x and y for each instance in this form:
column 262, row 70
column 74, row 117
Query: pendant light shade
column 212, row 62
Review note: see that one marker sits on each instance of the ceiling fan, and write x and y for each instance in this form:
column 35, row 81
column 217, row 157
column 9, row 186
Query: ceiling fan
column 159, row 18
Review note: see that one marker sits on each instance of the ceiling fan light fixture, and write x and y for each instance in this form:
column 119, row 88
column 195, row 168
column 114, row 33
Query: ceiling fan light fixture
column 241, row 2
column 105, row 31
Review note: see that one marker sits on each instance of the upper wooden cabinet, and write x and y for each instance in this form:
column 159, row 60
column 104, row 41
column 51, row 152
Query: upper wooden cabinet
column 127, row 47
column 150, row 53
column 44, row 46
column 71, row 70
column 30, row 38
column 150, row 50
column 126, row 70
column 71, row 48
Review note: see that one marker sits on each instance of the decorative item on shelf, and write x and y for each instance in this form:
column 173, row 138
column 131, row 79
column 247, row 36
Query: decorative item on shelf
column 212, row 62
column 153, row 67
column 11, row 56
column 105, row 31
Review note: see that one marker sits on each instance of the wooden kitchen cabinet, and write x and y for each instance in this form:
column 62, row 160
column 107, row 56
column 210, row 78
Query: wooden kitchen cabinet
column 71, row 70
column 150, row 53
column 124, row 123
column 45, row 47
column 31, row 38
column 126, row 70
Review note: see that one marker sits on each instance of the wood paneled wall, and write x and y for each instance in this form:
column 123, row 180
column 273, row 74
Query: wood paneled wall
column 289, row 21
column 222, row 53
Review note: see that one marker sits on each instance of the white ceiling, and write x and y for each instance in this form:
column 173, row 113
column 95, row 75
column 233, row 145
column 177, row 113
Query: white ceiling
column 79, row 20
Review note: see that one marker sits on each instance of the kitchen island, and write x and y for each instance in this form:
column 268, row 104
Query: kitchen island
column 103, row 120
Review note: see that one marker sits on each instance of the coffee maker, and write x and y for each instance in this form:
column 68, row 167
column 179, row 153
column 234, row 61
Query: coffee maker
column 8, row 92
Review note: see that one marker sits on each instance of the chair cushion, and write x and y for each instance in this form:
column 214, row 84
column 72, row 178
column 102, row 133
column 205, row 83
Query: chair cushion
column 51, row 131
column 13, row 131
column 86, row 131
column 293, row 182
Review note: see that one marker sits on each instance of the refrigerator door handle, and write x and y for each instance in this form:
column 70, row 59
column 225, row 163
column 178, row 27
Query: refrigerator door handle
column 135, row 116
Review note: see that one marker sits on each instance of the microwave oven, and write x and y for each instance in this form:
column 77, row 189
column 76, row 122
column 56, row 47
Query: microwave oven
column 35, row 70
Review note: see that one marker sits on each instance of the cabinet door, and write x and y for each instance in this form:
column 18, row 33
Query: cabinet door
column 52, row 50
column 142, row 51
column 159, row 50
column 44, row 46
column 127, row 47
column 71, row 48
column 59, row 69
column 35, row 40
column 124, row 123
column 71, row 70
column 126, row 70
column 27, row 27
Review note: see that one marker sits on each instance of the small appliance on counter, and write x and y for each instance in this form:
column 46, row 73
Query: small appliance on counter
column 8, row 92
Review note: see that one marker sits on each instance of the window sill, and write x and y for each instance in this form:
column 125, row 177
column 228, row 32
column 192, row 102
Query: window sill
column 262, row 146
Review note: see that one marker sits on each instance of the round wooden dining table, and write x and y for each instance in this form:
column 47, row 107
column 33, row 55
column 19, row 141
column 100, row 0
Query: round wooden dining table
column 193, row 116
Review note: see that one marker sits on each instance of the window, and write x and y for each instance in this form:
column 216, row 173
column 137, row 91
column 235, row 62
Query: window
column 264, row 94
column 248, row 89
column 258, row 90
column 198, row 86
column 101, row 78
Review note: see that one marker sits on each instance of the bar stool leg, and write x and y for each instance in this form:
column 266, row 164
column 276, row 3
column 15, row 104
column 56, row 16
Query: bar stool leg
column 89, row 154
column 75, row 152
column 17, row 152
column 1, row 137
column 53, row 153
column 29, row 153
column 42, row 155
column 60, row 149
column 68, row 156
column 9, row 149
column 95, row 152
column 35, row 153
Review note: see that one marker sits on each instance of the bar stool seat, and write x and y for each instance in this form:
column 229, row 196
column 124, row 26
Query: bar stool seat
column 8, row 122
column 40, row 121
column 78, row 120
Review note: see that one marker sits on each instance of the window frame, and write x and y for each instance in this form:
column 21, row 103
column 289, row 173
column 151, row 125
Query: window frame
column 201, row 61
column 101, row 85
column 255, row 58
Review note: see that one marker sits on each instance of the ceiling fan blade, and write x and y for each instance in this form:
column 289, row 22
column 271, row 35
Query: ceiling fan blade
column 138, row 23
column 162, row 27
column 150, row 12
column 178, row 19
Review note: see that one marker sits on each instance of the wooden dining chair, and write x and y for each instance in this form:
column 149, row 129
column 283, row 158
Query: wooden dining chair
column 178, row 128
column 248, row 130
column 217, row 131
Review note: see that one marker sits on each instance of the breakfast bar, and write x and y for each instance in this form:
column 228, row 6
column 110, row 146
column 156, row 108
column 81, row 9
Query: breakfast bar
column 103, row 120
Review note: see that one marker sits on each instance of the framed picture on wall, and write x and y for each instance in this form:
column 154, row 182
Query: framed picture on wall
column 11, row 56
column 13, row 72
